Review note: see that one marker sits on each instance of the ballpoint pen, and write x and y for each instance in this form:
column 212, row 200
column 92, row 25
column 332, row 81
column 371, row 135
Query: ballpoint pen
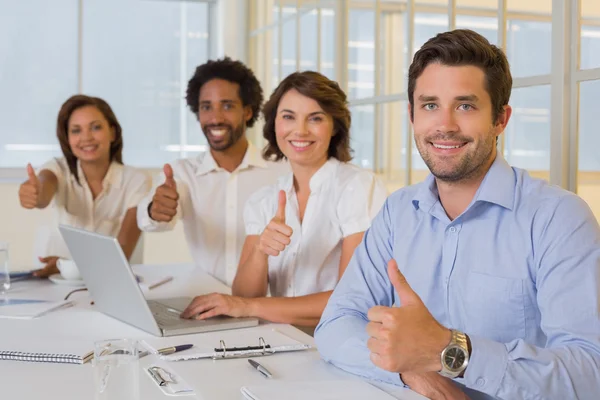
column 169, row 350
column 265, row 372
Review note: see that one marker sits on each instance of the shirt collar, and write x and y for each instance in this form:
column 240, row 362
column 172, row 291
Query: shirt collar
column 113, row 177
column 252, row 158
column 323, row 175
column 497, row 187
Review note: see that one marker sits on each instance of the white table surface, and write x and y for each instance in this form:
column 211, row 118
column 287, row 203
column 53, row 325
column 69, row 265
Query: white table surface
column 211, row 379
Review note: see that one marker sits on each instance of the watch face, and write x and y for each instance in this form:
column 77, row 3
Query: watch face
column 454, row 358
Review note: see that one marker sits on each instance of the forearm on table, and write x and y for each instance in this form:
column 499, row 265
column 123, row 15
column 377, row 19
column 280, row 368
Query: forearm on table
column 301, row 310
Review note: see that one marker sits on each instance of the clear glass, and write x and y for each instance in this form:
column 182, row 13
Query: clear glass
column 590, row 46
column 328, row 42
column 4, row 268
column 529, row 47
column 146, row 87
column 527, row 135
column 116, row 370
column 361, row 53
column 32, row 90
column 362, row 135
column 588, row 173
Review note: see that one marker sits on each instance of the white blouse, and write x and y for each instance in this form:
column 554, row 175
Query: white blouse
column 211, row 203
column 123, row 187
column 343, row 200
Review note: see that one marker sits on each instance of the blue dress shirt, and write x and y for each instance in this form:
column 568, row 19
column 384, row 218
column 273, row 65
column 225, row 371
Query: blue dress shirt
column 518, row 271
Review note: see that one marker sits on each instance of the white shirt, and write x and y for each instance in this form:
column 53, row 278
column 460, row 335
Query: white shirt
column 122, row 188
column 343, row 200
column 211, row 202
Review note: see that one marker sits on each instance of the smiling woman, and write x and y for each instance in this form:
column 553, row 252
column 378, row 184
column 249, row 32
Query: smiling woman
column 302, row 231
column 89, row 187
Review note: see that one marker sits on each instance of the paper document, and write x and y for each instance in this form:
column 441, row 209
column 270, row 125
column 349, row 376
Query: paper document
column 28, row 308
column 315, row 390
column 206, row 343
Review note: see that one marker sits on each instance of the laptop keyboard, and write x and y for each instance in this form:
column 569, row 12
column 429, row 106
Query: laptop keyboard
column 163, row 314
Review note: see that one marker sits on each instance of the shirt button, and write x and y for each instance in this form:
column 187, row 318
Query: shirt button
column 452, row 229
column 480, row 382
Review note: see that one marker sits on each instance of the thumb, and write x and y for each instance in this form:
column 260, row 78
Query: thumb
column 280, row 214
column 44, row 259
column 405, row 293
column 31, row 174
column 170, row 180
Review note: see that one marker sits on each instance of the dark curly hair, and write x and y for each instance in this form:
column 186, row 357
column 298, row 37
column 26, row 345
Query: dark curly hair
column 232, row 71
column 332, row 100
column 62, row 128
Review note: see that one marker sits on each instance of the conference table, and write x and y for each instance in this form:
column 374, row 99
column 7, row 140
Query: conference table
column 210, row 379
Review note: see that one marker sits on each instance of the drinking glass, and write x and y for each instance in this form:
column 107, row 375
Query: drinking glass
column 4, row 268
column 116, row 369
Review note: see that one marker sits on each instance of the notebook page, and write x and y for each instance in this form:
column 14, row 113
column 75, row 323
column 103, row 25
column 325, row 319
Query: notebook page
column 315, row 390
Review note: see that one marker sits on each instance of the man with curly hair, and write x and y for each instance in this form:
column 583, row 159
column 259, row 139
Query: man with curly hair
column 208, row 192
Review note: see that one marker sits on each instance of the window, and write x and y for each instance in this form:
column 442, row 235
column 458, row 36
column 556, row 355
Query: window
column 38, row 72
column 139, row 67
column 376, row 49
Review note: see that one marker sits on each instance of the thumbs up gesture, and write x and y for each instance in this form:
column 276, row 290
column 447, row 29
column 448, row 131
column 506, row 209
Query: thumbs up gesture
column 406, row 338
column 277, row 234
column 164, row 202
column 30, row 191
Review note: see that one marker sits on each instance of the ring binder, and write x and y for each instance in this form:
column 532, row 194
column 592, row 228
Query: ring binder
column 223, row 352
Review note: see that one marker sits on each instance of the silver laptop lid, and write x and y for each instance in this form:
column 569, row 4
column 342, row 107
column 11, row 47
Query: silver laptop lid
column 109, row 278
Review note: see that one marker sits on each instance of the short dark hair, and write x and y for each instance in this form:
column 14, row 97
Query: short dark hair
column 250, row 92
column 331, row 99
column 62, row 128
column 465, row 47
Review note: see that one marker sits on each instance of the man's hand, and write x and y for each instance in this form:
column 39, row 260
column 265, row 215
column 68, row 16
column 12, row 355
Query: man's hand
column 277, row 234
column 210, row 305
column 164, row 201
column 406, row 338
column 49, row 268
column 30, row 191
column 433, row 386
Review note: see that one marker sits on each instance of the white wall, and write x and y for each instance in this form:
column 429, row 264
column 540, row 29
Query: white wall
column 18, row 227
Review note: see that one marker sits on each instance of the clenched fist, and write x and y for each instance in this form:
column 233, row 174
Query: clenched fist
column 164, row 203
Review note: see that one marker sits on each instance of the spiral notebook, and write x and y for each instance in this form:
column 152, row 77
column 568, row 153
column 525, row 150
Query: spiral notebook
column 47, row 351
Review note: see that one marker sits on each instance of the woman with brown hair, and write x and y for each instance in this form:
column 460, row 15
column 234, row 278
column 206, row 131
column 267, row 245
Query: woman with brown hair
column 302, row 231
column 89, row 187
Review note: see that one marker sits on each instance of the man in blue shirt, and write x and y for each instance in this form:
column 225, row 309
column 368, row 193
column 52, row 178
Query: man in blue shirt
column 480, row 280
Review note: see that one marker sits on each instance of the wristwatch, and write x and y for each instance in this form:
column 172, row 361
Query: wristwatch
column 455, row 356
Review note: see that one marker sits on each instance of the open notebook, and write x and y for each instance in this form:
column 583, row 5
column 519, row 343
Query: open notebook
column 315, row 390
column 46, row 350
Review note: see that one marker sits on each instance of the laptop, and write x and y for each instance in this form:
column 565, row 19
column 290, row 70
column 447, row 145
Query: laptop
column 115, row 290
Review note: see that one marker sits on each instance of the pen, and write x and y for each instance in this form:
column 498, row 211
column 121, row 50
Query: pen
column 265, row 372
column 161, row 282
column 169, row 350
column 175, row 349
